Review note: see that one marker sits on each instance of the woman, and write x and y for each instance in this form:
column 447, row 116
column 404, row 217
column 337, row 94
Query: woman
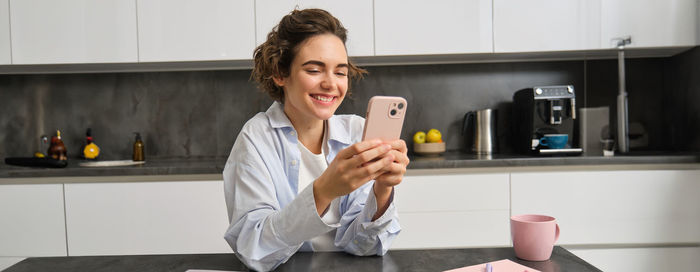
column 282, row 193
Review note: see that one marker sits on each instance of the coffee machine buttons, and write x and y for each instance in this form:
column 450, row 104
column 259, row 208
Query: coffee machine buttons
column 556, row 92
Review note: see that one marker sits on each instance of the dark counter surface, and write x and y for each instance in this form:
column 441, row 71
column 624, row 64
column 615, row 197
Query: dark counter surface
column 461, row 160
column 395, row 260
column 452, row 159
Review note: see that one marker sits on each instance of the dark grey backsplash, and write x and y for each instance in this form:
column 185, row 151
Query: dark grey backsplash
column 683, row 88
column 199, row 113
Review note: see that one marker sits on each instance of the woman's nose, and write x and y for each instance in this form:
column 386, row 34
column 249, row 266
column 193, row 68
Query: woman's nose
column 329, row 81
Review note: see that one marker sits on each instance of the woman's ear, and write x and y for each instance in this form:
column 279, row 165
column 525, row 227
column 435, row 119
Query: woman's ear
column 278, row 80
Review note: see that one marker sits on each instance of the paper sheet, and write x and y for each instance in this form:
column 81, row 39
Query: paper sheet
column 208, row 270
column 504, row 265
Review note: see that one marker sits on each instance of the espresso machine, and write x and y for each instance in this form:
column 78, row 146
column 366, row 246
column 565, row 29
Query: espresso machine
column 542, row 116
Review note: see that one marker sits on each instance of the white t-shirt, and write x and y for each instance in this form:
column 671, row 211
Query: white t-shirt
column 311, row 167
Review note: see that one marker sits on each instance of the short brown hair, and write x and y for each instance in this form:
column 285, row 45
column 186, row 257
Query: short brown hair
column 274, row 57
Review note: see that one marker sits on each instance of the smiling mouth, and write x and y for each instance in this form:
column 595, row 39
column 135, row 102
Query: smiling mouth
column 323, row 98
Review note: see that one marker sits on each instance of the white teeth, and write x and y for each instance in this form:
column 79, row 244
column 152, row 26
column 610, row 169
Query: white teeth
column 323, row 98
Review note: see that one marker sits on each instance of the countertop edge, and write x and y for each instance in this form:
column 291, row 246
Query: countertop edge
column 553, row 168
column 409, row 172
column 111, row 179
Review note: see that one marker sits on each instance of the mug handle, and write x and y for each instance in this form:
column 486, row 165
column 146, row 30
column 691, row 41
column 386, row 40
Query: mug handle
column 556, row 233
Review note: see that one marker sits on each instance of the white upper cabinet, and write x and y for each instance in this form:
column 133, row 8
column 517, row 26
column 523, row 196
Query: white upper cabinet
column 650, row 23
column 181, row 30
column 546, row 25
column 73, row 31
column 356, row 17
column 5, row 51
column 432, row 27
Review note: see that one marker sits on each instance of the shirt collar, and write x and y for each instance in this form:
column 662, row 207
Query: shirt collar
column 277, row 117
column 338, row 128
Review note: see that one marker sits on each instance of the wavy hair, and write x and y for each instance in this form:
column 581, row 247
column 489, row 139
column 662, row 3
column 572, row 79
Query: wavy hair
column 274, row 57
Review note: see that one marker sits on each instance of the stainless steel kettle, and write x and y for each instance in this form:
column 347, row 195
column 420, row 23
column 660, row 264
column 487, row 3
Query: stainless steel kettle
column 479, row 129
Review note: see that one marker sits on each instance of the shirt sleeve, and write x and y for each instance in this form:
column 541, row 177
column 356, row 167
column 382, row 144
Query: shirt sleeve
column 358, row 234
column 261, row 233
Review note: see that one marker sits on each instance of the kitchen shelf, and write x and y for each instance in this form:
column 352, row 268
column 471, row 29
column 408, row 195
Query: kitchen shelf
column 360, row 60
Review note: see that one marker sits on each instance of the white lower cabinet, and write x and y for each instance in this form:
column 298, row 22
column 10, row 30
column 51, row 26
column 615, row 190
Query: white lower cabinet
column 31, row 220
column 6, row 262
column 650, row 259
column 619, row 220
column 453, row 210
column 146, row 218
column 614, row 207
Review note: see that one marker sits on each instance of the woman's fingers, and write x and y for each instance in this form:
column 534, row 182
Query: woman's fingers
column 372, row 169
column 371, row 154
column 399, row 145
column 358, row 148
column 399, row 157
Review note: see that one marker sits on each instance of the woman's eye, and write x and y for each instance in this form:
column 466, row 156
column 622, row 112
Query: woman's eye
column 341, row 73
column 313, row 71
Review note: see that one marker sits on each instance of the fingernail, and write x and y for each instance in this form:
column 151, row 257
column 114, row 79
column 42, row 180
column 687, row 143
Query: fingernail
column 386, row 147
column 376, row 142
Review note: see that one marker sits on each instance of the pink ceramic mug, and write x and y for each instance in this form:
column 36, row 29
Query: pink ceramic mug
column 533, row 236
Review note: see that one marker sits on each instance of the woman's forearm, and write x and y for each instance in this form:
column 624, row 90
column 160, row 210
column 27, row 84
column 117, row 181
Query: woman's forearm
column 382, row 194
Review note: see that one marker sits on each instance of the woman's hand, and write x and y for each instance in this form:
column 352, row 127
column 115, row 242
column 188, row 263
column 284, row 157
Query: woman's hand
column 352, row 167
column 392, row 175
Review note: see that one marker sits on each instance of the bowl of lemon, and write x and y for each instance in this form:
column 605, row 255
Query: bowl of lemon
column 428, row 144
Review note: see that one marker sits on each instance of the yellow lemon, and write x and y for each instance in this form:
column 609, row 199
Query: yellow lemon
column 91, row 151
column 419, row 137
column 434, row 136
column 39, row 155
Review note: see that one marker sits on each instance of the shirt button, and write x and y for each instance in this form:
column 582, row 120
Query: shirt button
column 294, row 162
column 355, row 242
column 292, row 133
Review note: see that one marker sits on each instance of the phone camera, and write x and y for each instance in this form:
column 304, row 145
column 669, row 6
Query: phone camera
column 393, row 112
column 400, row 106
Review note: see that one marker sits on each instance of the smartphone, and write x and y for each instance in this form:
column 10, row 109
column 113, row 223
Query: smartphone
column 384, row 118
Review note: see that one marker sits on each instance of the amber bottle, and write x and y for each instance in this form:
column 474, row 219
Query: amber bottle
column 138, row 148
column 57, row 150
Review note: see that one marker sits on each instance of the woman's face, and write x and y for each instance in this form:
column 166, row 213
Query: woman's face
column 317, row 81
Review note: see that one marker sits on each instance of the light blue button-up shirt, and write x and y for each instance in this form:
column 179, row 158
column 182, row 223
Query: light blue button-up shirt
column 269, row 219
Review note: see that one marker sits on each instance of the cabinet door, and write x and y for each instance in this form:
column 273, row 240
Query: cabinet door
column 31, row 220
column 181, row 30
column 356, row 17
column 146, row 218
column 432, row 27
column 453, row 211
column 676, row 259
column 5, row 50
column 650, row 23
column 546, row 25
column 6, row 262
column 614, row 207
column 73, row 31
